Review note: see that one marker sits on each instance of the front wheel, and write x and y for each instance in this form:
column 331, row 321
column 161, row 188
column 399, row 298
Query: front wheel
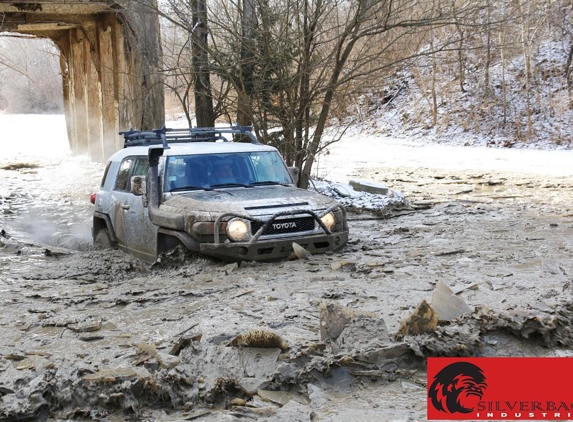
column 103, row 240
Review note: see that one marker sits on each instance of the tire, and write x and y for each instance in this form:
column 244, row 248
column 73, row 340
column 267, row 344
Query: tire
column 103, row 240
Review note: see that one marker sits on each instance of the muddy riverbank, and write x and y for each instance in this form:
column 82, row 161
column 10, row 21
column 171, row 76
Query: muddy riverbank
column 99, row 335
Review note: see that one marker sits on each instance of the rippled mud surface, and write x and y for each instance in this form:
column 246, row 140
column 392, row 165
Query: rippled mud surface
column 99, row 335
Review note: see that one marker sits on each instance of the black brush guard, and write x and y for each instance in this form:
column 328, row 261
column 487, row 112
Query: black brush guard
column 257, row 249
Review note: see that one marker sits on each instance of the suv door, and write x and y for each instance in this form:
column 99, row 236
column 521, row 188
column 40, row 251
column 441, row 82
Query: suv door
column 134, row 230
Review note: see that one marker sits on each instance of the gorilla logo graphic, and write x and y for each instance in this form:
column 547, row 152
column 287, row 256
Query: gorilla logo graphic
column 457, row 388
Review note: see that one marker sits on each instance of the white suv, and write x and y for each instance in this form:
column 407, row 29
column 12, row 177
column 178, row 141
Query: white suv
column 193, row 187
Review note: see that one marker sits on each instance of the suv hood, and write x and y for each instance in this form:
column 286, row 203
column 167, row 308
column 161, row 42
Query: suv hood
column 259, row 200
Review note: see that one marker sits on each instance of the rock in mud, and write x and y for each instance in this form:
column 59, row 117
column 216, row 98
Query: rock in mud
column 410, row 387
column 219, row 369
column 238, row 402
column 369, row 186
column 91, row 337
column 343, row 265
column 229, row 268
column 344, row 190
column 446, row 304
column 15, row 356
column 251, row 386
column 111, row 375
column 292, row 412
column 184, row 342
column 465, row 336
column 334, row 318
column 260, row 338
column 387, row 360
column 167, row 361
column 144, row 353
column 34, row 363
column 299, row 252
column 56, row 252
column 87, row 326
column 282, row 397
column 423, row 320
column 361, row 334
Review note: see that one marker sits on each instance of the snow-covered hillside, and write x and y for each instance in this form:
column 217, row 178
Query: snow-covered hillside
column 497, row 117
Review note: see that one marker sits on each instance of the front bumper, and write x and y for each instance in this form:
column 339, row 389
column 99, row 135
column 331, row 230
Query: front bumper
column 266, row 250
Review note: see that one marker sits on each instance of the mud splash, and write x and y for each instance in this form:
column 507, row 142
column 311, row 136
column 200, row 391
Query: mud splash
column 47, row 201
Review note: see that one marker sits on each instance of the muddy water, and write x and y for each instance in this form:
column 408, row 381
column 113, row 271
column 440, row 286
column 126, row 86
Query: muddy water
column 99, row 335
column 47, row 201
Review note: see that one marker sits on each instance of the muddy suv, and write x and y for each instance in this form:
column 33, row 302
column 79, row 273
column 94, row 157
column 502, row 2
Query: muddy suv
column 194, row 187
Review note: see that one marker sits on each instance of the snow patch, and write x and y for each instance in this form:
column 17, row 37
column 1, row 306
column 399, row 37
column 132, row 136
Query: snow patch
column 356, row 201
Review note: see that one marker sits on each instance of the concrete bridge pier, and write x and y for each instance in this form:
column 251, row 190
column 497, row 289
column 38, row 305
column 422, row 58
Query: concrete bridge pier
column 110, row 56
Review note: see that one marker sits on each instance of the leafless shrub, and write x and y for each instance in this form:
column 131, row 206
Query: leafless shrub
column 30, row 80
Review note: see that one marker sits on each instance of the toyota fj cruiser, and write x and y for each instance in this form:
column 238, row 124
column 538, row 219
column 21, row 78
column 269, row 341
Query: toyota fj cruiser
column 194, row 187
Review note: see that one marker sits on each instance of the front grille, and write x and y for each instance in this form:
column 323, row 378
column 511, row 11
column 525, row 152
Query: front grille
column 285, row 226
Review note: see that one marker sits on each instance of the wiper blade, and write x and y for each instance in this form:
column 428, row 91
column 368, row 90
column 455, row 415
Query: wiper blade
column 230, row 185
column 189, row 188
column 267, row 183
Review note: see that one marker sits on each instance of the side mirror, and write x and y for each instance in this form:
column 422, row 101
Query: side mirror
column 138, row 185
column 295, row 173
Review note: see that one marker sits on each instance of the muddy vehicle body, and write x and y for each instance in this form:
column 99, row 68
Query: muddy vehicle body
column 193, row 187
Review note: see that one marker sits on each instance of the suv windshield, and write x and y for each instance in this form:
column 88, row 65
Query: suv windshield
column 211, row 171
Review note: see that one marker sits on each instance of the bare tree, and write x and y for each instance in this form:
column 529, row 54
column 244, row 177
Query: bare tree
column 246, row 66
column 287, row 64
column 305, row 51
column 177, row 66
column 30, row 75
column 564, row 23
column 200, row 60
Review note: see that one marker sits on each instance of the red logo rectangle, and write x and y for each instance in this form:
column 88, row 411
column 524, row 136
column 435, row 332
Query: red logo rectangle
column 500, row 388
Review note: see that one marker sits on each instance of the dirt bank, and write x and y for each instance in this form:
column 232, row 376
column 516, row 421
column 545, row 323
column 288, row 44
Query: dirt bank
column 99, row 335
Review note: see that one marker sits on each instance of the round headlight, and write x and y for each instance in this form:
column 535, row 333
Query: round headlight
column 237, row 229
column 328, row 220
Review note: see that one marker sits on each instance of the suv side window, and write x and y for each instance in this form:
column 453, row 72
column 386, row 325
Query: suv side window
column 130, row 166
column 123, row 174
column 141, row 167
column 104, row 178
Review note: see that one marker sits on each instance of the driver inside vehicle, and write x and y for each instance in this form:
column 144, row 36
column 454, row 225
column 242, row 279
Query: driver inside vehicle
column 223, row 172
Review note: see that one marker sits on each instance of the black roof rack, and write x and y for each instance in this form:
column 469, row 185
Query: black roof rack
column 166, row 136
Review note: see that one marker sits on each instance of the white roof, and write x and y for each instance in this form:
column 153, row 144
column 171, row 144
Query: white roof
column 193, row 148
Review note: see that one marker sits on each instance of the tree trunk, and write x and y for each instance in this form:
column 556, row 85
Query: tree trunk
column 461, row 65
column 200, row 62
column 433, row 92
column 486, row 91
column 244, row 102
column 326, row 104
column 303, row 111
column 568, row 75
column 503, row 83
